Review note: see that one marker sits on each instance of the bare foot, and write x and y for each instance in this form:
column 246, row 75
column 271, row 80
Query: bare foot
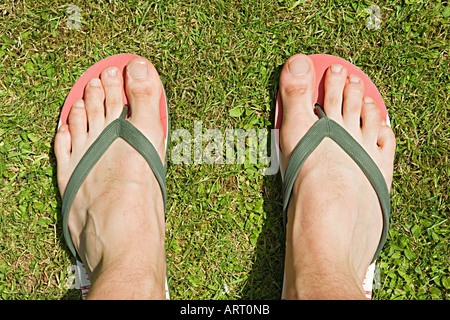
column 334, row 216
column 117, row 218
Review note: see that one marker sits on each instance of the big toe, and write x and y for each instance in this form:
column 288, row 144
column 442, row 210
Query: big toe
column 297, row 87
column 144, row 89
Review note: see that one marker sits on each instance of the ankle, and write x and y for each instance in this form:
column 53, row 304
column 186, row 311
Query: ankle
column 321, row 277
column 326, row 286
column 128, row 279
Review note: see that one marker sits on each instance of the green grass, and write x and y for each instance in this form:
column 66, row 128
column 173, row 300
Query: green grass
column 224, row 222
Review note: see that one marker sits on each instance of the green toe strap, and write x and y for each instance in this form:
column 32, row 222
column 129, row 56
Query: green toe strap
column 326, row 127
column 119, row 128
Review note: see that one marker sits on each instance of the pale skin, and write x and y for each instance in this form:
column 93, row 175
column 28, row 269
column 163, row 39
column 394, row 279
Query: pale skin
column 334, row 217
column 117, row 218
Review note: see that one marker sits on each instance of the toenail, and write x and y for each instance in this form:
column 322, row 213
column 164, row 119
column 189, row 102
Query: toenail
column 112, row 72
column 78, row 104
column 95, row 82
column 354, row 78
column 62, row 128
column 368, row 100
column 336, row 68
column 298, row 66
column 138, row 70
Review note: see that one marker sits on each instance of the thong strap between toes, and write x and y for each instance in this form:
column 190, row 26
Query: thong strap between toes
column 326, row 127
column 119, row 128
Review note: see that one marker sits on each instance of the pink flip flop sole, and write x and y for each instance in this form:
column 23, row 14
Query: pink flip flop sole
column 321, row 64
column 120, row 61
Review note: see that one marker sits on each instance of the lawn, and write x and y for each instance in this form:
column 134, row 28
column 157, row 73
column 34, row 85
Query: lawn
column 220, row 63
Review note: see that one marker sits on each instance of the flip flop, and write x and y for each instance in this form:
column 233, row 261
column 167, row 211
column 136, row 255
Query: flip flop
column 119, row 128
column 326, row 127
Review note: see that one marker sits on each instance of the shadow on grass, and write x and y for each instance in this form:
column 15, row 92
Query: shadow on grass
column 266, row 277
